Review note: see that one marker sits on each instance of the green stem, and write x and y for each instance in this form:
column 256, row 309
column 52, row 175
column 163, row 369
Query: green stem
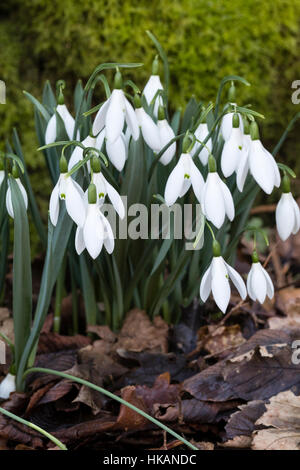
column 35, row 427
column 113, row 397
column 58, row 297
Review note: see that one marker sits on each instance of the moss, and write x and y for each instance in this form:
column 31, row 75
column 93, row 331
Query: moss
column 204, row 40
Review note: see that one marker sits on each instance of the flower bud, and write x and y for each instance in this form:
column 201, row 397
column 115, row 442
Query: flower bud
column 15, row 170
column 155, row 66
column 254, row 131
column 137, row 101
column 212, row 166
column 235, row 121
column 216, row 247
column 286, row 185
column 63, row 164
column 118, row 81
column 96, row 164
column 60, row 85
column 92, row 194
column 255, row 258
column 232, row 93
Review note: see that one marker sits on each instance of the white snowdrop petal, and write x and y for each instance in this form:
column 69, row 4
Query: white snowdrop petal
column 74, row 203
column 152, row 87
column 237, row 281
column 109, row 239
column 50, row 135
column 149, row 129
column 99, row 121
column 79, row 241
column 249, row 285
column 214, row 202
column 7, row 386
column 2, row 176
column 232, row 152
column 166, row 134
column 115, row 115
column 23, row 192
column 116, row 200
column 270, row 286
column 174, row 184
column 116, row 152
column 261, row 167
column 242, row 169
column 76, row 156
column 296, row 227
column 93, row 232
column 131, row 120
column 220, row 283
column 205, row 286
column 197, row 180
column 100, row 139
column 68, row 120
column 8, row 201
column 228, row 201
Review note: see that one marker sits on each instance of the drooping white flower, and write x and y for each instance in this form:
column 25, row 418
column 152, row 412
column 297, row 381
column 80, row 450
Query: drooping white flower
column 201, row 133
column 104, row 188
column 89, row 141
column 9, row 205
column 226, row 125
column 148, row 127
column 216, row 200
column 181, row 178
column 243, row 165
column 259, row 283
column 96, row 230
column 287, row 216
column 232, row 149
column 7, row 386
column 216, row 280
column 68, row 120
column 151, row 88
column 263, row 167
column 68, row 190
column 113, row 114
column 166, row 134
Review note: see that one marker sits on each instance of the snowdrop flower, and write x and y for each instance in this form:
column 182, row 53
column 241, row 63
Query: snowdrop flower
column 216, row 280
column 216, row 199
column 287, row 212
column 262, row 165
column 148, row 127
column 68, row 120
column 259, row 283
column 2, row 176
column 96, row 230
column 152, row 87
column 226, row 125
column 201, row 133
column 103, row 188
column 9, row 205
column 181, row 178
column 166, row 134
column 232, row 150
column 68, row 190
column 7, row 386
column 114, row 113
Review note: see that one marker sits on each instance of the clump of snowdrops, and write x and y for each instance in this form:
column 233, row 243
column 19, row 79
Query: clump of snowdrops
column 112, row 166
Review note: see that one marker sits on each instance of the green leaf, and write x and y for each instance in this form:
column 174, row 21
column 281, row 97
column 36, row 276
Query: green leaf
column 38, row 105
column 107, row 66
column 88, row 291
column 285, row 134
column 22, row 284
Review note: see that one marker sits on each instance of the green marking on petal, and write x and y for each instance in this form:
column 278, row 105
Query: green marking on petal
column 187, row 176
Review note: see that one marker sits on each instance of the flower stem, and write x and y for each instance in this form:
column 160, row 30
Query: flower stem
column 112, row 396
column 35, row 427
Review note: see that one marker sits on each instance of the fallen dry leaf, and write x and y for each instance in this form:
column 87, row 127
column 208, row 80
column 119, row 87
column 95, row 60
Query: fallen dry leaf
column 220, row 340
column 288, row 301
column 242, row 422
column 138, row 333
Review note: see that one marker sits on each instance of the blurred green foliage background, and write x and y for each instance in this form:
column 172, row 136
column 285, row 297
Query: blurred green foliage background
column 204, row 40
